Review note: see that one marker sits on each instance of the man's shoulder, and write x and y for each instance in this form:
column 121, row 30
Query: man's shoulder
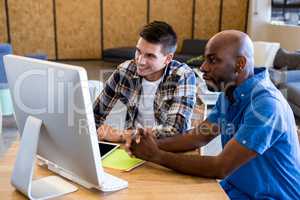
column 180, row 69
column 265, row 91
column 128, row 65
column 127, row 68
column 266, row 100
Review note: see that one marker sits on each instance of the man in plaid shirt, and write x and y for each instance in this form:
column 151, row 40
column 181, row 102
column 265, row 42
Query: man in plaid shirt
column 159, row 92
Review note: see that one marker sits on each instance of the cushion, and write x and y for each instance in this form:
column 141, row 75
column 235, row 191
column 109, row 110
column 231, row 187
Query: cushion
column 193, row 47
column 264, row 53
column 125, row 53
column 287, row 60
column 4, row 50
column 284, row 76
column 293, row 92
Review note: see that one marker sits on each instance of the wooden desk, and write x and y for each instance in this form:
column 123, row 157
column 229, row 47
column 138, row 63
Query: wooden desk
column 149, row 181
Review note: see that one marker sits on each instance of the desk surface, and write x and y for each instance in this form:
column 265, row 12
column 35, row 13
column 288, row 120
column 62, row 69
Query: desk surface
column 149, row 181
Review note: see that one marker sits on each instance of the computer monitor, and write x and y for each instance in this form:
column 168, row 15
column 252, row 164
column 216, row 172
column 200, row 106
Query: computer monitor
column 54, row 114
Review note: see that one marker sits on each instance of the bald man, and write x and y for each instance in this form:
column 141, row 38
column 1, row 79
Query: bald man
column 261, row 156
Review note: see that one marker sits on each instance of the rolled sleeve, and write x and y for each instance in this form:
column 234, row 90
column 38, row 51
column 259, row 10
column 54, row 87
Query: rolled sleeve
column 263, row 125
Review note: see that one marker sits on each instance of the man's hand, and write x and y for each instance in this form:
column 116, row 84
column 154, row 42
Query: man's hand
column 107, row 133
column 147, row 148
column 130, row 136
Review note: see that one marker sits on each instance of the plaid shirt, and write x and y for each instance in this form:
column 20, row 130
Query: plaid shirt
column 173, row 102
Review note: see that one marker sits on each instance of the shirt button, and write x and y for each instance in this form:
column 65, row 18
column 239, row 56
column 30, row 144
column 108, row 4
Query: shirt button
column 242, row 95
column 244, row 142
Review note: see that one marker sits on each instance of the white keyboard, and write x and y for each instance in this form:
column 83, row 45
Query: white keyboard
column 111, row 183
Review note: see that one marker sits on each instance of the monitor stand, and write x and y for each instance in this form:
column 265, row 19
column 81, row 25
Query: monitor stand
column 43, row 188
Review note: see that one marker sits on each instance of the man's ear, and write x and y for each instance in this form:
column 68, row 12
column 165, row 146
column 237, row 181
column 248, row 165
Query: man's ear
column 169, row 58
column 241, row 62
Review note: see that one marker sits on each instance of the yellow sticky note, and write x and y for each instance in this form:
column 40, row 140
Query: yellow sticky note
column 119, row 159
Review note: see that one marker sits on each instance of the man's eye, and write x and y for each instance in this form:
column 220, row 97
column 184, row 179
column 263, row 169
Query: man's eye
column 150, row 56
column 212, row 60
column 138, row 51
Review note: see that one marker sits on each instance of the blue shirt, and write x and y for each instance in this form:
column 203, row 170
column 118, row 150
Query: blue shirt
column 261, row 120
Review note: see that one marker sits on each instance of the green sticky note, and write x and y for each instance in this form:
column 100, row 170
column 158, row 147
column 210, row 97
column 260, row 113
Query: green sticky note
column 119, row 159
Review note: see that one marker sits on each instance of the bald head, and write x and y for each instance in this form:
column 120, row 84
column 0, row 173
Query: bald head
column 235, row 42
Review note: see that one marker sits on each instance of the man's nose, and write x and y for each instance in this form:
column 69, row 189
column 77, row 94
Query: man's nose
column 204, row 67
column 141, row 59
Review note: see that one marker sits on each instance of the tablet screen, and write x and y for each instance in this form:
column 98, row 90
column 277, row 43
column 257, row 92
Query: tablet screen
column 106, row 148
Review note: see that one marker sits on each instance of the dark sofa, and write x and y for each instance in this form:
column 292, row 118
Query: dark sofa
column 118, row 54
column 191, row 48
column 286, row 75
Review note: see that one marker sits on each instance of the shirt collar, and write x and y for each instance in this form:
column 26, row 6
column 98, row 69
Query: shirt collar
column 243, row 91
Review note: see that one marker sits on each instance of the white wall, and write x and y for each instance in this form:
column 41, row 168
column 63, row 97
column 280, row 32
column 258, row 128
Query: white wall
column 259, row 16
column 260, row 29
column 288, row 36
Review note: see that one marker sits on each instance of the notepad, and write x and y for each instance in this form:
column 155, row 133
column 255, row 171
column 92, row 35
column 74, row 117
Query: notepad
column 120, row 160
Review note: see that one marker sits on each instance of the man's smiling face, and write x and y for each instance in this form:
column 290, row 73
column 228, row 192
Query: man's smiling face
column 150, row 59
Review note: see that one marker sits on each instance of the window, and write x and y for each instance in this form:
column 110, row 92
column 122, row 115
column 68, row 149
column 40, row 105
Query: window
column 286, row 11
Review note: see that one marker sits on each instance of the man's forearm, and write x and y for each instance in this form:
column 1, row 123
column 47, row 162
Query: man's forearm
column 204, row 166
column 195, row 138
column 233, row 156
column 185, row 142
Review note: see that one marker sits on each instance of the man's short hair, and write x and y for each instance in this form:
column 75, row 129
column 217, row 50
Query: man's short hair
column 158, row 32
